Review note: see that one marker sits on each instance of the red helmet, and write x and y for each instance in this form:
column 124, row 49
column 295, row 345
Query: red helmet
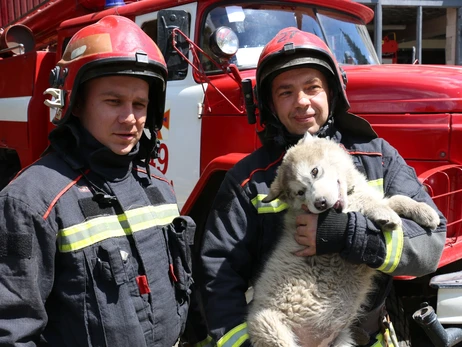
column 114, row 45
column 293, row 48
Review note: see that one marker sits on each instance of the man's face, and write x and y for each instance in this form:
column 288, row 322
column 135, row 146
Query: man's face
column 114, row 111
column 300, row 100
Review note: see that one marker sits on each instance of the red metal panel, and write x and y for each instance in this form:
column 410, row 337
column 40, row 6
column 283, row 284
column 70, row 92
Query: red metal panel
column 17, row 75
column 421, row 88
column 223, row 129
column 29, row 138
column 409, row 132
column 223, row 163
column 39, row 113
column 13, row 135
column 225, row 134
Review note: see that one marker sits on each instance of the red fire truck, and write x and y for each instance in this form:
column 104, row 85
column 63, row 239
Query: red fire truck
column 207, row 129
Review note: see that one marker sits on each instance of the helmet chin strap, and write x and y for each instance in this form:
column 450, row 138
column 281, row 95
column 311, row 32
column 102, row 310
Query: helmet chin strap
column 327, row 129
column 148, row 149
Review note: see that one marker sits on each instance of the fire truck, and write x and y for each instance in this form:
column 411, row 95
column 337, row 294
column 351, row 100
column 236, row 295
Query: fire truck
column 212, row 48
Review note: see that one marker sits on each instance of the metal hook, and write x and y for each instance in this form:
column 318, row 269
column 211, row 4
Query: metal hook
column 58, row 98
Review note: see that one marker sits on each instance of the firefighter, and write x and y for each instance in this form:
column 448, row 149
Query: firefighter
column 93, row 251
column 300, row 88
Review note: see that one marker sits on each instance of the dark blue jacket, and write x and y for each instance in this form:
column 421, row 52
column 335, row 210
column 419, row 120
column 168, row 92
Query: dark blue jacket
column 242, row 230
column 92, row 251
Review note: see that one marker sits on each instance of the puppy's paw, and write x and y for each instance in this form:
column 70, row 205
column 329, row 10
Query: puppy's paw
column 419, row 212
column 385, row 217
column 426, row 216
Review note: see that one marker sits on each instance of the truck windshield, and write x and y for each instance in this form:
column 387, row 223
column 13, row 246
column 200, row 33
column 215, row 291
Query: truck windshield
column 255, row 24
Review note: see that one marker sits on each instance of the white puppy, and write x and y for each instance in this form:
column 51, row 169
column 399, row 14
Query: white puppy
column 312, row 301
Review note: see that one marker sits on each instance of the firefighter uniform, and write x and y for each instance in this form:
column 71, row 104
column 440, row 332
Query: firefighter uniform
column 92, row 250
column 242, row 230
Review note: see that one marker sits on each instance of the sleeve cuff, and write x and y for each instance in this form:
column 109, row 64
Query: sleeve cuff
column 331, row 233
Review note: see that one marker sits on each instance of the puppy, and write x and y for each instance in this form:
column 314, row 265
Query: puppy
column 312, row 301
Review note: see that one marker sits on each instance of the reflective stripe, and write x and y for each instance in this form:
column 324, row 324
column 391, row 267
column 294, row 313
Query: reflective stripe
column 380, row 341
column 377, row 185
column 208, row 342
column 274, row 206
column 394, row 240
column 235, row 337
column 98, row 229
column 14, row 109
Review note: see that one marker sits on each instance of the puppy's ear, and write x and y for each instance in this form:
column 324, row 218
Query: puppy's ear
column 306, row 138
column 275, row 191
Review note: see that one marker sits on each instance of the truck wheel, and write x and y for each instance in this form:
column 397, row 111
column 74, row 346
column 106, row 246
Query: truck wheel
column 398, row 317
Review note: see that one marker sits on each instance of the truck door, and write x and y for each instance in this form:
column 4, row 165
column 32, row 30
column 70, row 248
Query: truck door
column 180, row 136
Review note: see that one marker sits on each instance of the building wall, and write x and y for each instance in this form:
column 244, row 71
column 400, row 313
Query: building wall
column 451, row 36
column 440, row 42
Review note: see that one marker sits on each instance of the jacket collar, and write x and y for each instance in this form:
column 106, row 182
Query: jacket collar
column 80, row 150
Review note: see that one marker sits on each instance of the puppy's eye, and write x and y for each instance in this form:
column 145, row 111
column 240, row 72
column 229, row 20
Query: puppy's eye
column 301, row 193
column 314, row 172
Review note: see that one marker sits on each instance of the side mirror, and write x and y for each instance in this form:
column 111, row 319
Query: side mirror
column 167, row 20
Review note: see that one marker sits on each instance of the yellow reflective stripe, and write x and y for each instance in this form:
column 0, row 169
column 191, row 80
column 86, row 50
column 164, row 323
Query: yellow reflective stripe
column 142, row 218
column 394, row 240
column 377, row 185
column 380, row 341
column 235, row 337
column 208, row 342
column 98, row 229
column 274, row 206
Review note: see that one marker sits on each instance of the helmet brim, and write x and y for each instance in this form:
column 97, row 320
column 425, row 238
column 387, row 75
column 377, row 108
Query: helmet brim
column 290, row 62
column 153, row 74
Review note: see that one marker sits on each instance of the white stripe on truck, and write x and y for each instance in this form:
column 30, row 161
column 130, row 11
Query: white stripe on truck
column 14, row 109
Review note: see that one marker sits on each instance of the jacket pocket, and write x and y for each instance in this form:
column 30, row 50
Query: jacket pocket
column 180, row 235
column 112, row 308
column 108, row 265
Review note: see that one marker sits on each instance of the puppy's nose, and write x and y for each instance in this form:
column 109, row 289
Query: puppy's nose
column 320, row 204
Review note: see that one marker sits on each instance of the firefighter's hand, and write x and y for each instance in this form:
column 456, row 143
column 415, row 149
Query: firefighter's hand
column 305, row 235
